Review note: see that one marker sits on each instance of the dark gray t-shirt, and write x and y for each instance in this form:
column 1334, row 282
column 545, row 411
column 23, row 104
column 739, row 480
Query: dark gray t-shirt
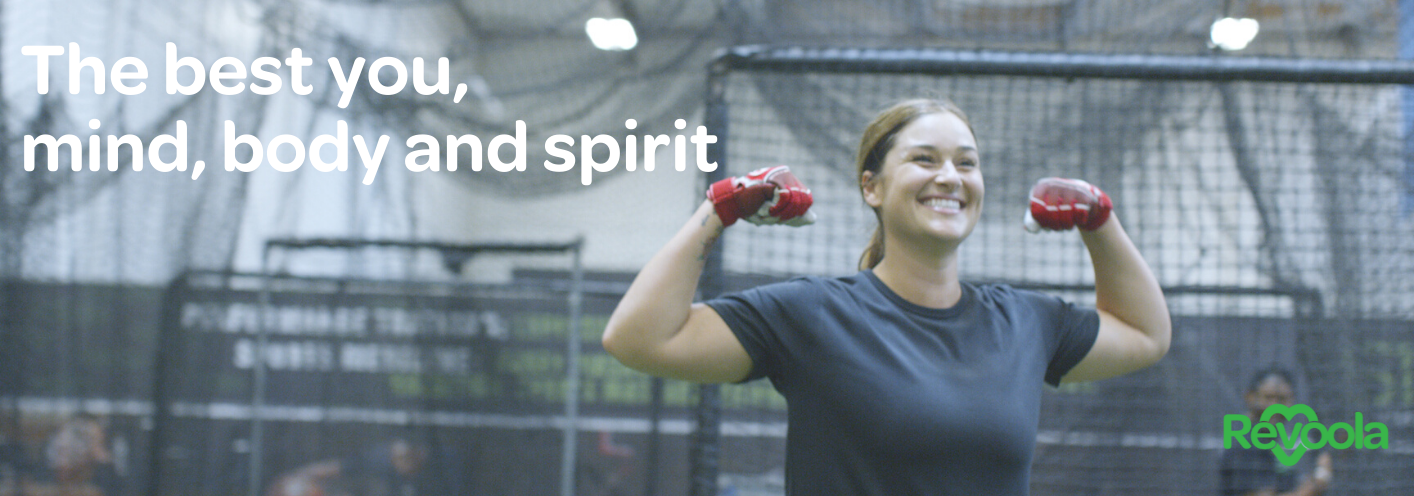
column 886, row 397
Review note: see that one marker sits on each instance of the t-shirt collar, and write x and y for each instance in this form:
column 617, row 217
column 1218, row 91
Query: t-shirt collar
column 936, row 313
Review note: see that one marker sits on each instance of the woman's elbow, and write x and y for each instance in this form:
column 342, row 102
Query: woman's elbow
column 618, row 342
column 1160, row 342
column 613, row 341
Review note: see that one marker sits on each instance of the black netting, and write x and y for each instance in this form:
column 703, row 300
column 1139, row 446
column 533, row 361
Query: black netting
column 1261, row 201
column 1274, row 214
column 1354, row 28
column 1251, row 187
column 356, row 371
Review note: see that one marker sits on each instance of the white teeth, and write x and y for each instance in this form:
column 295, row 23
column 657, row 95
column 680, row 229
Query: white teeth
column 942, row 203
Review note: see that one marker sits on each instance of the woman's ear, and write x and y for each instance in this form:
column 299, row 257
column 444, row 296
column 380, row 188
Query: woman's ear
column 868, row 185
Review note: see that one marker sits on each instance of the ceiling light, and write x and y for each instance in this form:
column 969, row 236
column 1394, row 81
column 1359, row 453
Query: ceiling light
column 1233, row 34
column 611, row 34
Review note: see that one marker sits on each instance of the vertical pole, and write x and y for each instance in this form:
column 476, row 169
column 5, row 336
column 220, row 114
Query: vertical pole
column 168, row 335
column 567, row 460
column 9, row 246
column 257, row 395
column 706, row 446
column 1406, row 52
column 655, row 417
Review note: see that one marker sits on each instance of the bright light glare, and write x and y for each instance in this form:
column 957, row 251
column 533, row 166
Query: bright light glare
column 1233, row 34
column 611, row 34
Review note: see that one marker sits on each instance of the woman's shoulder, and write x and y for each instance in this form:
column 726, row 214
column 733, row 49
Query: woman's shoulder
column 814, row 285
column 797, row 295
column 1005, row 294
column 802, row 291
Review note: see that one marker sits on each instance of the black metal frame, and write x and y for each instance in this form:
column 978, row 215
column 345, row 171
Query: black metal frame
column 1060, row 65
column 802, row 60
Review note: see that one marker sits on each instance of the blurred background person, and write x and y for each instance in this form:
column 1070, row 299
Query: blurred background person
column 1256, row 472
column 395, row 468
column 79, row 457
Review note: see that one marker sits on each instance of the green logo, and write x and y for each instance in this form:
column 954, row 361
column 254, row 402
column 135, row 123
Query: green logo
column 1290, row 446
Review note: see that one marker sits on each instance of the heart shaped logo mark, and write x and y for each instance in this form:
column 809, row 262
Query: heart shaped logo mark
column 1293, row 439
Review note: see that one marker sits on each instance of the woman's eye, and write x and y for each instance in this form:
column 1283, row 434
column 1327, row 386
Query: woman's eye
column 922, row 158
column 967, row 163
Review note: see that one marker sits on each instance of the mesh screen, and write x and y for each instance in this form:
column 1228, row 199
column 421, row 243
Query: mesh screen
column 1243, row 186
column 1272, row 213
column 470, row 377
column 371, row 388
column 85, row 255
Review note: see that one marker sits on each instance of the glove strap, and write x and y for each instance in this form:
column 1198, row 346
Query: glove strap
column 1099, row 211
column 720, row 194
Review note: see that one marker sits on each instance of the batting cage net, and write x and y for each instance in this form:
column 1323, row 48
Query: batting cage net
column 297, row 386
column 1272, row 199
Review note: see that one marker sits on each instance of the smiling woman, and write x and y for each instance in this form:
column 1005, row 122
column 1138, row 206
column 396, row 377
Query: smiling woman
column 932, row 161
column 952, row 372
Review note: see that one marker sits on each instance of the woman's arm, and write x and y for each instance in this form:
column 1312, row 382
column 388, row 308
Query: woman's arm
column 657, row 329
column 1134, row 318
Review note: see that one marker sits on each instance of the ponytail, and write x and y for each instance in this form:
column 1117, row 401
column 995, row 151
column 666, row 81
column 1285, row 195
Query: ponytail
column 875, row 251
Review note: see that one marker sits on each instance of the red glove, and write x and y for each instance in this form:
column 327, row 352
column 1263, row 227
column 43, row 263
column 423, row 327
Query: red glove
column 765, row 196
column 1059, row 204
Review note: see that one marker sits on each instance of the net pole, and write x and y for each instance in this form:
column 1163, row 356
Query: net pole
column 571, row 432
column 11, row 367
column 655, row 416
column 707, row 437
column 1406, row 52
column 173, row 300
column 257, row 395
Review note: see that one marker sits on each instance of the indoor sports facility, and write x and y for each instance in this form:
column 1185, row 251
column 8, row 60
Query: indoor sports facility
column 421, row 329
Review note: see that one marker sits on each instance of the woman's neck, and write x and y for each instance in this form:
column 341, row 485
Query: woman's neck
column 928, row 280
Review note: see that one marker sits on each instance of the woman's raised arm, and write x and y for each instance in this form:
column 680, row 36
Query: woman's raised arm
column 656, row 328
column 1134, row 318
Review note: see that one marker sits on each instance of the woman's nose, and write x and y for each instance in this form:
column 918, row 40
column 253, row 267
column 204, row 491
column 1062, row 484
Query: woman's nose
column 947, row 175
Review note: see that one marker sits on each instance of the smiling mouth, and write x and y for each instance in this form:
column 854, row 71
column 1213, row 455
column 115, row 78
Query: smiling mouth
column 942, row 203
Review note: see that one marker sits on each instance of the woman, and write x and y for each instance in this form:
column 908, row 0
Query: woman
column 899, row 379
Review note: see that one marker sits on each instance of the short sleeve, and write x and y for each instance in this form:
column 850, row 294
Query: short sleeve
column 1071, row 335
column 760, row 317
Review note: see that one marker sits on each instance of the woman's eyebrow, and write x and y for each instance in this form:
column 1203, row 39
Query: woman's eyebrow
column 934, row 149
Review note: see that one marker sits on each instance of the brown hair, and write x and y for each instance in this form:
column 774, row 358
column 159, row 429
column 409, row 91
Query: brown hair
column 878, row 139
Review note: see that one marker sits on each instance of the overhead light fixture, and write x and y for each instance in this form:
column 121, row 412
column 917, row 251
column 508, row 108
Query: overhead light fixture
column 611, row 34
column 1233, row 34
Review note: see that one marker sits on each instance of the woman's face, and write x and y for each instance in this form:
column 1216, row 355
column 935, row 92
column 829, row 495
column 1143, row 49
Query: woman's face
column 930, row 183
